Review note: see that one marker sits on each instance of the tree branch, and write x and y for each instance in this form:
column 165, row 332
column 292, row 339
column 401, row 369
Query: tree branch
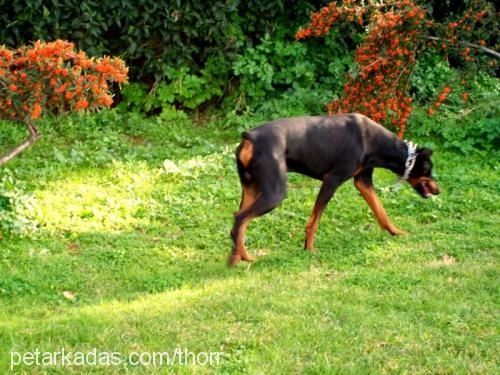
column 464, row 43
column 34, row 136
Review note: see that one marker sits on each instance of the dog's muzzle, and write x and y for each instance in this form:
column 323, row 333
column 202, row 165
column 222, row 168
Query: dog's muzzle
column 425, row 186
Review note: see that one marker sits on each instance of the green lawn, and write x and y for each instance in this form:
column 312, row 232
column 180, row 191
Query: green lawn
column 142, row 246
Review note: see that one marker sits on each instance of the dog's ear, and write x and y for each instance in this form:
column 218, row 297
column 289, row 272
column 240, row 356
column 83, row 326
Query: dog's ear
column 426, row 153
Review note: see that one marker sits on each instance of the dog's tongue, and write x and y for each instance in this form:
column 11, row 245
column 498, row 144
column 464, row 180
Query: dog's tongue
column 425, row 189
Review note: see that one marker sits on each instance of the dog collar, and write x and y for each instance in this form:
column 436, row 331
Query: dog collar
column 410, row 160
column 409, row 164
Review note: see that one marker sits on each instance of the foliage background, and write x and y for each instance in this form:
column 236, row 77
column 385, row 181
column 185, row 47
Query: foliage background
column 153, row 35
column 236, row 57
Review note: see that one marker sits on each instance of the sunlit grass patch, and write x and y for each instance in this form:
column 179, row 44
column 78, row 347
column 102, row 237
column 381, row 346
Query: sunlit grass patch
column 122, row 195
column 97, row 200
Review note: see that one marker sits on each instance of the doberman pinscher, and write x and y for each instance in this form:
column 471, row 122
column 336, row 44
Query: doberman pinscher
column 328, row 148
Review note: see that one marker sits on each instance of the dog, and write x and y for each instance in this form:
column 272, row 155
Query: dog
column 328, row 148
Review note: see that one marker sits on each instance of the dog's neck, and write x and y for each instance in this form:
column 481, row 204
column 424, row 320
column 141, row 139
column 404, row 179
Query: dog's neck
column 390, row 153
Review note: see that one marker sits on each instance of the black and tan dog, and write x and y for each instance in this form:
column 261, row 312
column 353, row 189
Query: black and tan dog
column 328, row 148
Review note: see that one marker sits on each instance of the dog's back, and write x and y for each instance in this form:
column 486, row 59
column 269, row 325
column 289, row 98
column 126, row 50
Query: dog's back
column 311, row 144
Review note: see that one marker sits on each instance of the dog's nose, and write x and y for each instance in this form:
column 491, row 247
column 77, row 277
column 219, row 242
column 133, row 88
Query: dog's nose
column 434, row 187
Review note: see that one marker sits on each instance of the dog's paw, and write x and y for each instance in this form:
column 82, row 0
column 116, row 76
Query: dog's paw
column 248, row 258
column 309, row 245
column 311, row 250
column 233, row 259
column 398, row 232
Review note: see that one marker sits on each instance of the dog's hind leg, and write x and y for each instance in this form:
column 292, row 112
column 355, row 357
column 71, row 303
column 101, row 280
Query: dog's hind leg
column 270, row 183
column 244, row 155
column 248, row 196
column 364, row 184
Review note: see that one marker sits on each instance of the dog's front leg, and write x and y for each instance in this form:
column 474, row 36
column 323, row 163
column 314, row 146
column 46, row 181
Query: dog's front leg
column 364, row 184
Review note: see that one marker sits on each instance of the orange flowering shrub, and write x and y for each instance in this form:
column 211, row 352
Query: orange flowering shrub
column 478, row 20
column 396, row 31
column 53, row 77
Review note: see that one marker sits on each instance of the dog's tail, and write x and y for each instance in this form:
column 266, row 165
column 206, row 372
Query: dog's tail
column 244, row 155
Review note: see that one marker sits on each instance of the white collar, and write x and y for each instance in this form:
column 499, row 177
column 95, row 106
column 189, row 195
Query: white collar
column 410, row 160
column 409, row 164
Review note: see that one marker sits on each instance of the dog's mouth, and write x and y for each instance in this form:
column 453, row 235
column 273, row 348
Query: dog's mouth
column 427, row 188
column 425, row 191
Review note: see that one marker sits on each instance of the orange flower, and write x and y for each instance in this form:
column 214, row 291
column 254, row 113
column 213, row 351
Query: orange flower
column 13, row 87
column 103, row 68
column 465, row 96
column 37, row 111
column 81, row 104
column 107, row 100
column 61, row 88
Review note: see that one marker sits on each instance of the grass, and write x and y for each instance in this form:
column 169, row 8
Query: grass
column 141, row 244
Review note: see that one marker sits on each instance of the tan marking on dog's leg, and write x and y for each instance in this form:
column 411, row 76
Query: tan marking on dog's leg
column 249, row 196
column 312, row 226
column 246, row 152
column 240, row 251
column 358, row 170
column 370, row 196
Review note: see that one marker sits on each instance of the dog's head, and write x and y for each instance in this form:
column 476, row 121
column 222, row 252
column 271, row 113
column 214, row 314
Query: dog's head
column 421, row 175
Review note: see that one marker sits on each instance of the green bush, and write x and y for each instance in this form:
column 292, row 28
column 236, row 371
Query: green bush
column 272, row 74
column 153, row 36
column 277, row 68
column 465, row 126
column 431, row 74
column 179, row 89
